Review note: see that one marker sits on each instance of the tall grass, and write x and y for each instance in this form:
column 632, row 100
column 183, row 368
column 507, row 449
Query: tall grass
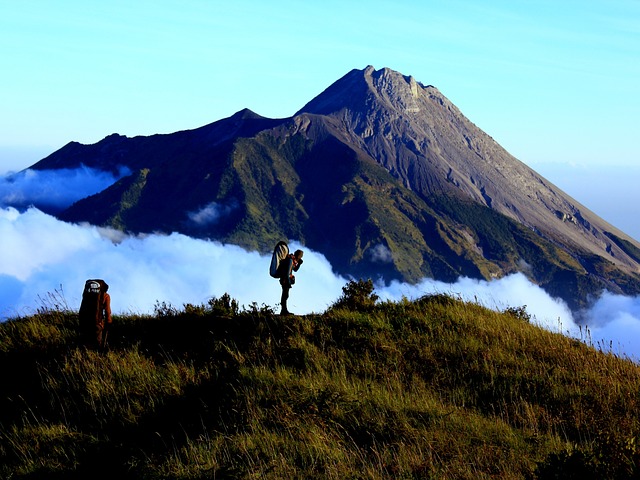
column 432, row 388
column 115, row 386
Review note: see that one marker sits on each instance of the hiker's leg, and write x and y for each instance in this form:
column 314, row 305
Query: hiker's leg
column 98, row 336
column 283, row 299
column 87, row 332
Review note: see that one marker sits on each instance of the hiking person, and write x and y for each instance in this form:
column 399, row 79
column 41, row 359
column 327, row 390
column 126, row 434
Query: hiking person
column 289, row 265
column 95, row 314
column 283, row 264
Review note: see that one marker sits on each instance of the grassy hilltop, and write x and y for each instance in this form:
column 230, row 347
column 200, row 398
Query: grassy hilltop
column 433, row 388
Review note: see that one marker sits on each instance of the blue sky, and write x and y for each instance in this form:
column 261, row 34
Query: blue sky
column 555, row 83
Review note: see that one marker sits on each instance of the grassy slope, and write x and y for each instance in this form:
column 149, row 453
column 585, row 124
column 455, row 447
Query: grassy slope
column 435, row 388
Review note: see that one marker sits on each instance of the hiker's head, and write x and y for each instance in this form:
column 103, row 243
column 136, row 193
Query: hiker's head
column 298, row 254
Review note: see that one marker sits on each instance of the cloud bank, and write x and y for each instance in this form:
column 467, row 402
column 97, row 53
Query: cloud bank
column 54, row 190
column 42, row 255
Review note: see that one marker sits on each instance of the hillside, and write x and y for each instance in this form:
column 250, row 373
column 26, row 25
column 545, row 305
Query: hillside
column 383, row 175
column 433, row 388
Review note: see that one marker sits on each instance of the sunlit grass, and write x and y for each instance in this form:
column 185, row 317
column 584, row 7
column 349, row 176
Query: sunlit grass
column 432, row 388
column 117, row 386
column 37, row 445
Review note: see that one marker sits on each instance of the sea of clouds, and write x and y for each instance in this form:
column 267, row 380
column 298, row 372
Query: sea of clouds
column 43, row 258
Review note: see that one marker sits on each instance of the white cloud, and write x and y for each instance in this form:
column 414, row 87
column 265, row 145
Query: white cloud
column 614, row 323
column 42, row 255
column 211, row 213
column 381, row 254
column 511, row 291
column 54, row 190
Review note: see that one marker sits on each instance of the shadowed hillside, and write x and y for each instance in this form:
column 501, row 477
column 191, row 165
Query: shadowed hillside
column 433, row 388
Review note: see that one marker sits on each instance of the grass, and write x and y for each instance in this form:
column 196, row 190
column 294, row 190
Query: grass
column 432, row 388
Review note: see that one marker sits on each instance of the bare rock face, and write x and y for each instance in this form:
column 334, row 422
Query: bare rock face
column 421, row 138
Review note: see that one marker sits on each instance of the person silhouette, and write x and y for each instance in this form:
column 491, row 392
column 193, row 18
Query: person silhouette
column 287, row 266
column 95, row 314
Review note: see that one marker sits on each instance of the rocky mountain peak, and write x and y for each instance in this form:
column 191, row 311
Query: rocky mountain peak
column 398, row 91
column 372, row 89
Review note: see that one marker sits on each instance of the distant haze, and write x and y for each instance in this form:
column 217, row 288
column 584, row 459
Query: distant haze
column 611, row 191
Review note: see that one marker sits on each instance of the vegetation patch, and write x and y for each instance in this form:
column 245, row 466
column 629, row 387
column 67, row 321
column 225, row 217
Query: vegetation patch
column 431, row 388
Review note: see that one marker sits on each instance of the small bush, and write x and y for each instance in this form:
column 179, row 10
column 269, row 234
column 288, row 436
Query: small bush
column 519, row 313
column 358, row 296
column 258, row 311
column 164, row 310
column 225, row 305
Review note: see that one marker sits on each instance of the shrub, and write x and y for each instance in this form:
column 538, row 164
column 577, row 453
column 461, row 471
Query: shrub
column 357, row 296
column 225, row 305
column 519, row 312
column 164, row 310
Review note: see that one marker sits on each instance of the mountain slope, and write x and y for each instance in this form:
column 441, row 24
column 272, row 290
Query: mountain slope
column 380, row 173
column 427, row 143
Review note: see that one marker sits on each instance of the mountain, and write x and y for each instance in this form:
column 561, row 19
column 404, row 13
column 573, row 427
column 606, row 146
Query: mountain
column 382, row 174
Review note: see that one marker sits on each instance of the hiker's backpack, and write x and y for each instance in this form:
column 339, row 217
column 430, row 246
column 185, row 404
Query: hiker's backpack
column 92, row 301
column 280, row 252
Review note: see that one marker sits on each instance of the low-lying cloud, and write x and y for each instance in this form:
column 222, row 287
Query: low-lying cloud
column 212, row 213
column 381, row 254
column 42, row 255
column 54, row 190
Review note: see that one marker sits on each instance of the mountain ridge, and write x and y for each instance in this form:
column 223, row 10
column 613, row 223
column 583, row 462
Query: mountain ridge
column 380, row 173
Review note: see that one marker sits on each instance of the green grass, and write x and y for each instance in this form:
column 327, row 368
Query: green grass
column 433, row 388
